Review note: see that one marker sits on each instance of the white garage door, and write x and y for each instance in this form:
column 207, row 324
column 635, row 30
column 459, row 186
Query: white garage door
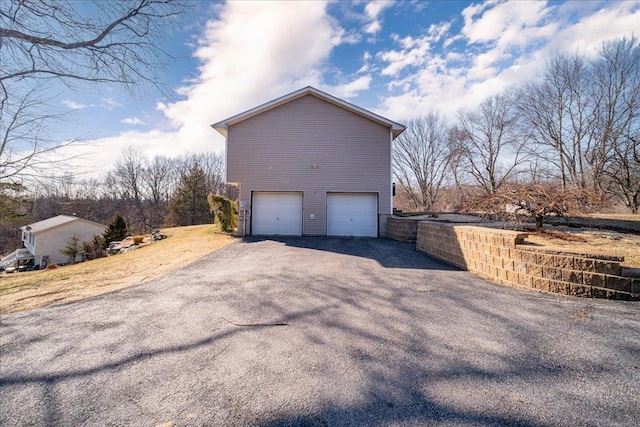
column 277, row 213
column 352, row 214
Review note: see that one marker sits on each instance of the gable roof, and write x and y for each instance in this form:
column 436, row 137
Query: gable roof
column 53, row 222
column 223, row 125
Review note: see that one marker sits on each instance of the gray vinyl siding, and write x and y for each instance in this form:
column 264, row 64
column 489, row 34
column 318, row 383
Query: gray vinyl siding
column 276, row 151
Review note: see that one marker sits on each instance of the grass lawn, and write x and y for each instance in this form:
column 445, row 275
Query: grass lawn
column 24, row 291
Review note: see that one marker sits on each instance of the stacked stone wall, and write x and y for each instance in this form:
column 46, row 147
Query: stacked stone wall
column 402, row 229
column 501, row 256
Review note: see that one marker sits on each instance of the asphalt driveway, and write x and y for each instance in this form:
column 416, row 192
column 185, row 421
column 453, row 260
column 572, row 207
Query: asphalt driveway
column 322, row 331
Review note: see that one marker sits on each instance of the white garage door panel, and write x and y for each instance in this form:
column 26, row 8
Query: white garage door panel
column 352, row 214
column 277, row 213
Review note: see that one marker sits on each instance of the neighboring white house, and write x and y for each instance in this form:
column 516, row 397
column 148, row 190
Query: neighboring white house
column 44, row 239
column 311, row 164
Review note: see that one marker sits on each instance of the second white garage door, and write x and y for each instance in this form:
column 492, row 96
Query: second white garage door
column 352, row 214
column 277, row 214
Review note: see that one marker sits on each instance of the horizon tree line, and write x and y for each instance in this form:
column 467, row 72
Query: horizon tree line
column 148, row 193
column 575, row 129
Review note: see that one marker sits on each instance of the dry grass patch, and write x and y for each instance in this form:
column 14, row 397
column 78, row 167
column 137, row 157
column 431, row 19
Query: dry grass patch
column 611, row 242
column 623, row 217
column 24, row 291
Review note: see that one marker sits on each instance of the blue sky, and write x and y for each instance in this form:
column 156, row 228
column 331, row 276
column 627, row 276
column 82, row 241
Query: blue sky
column 399, row 59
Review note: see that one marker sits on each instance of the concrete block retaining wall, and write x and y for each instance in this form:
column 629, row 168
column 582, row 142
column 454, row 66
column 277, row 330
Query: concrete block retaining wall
column 501, row 256
column 403, row 229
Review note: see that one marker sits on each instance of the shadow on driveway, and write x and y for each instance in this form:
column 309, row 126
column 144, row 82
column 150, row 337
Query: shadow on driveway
column 376, row 334
column 388, row 253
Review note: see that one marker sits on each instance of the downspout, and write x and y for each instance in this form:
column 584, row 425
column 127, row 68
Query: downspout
column 391, row 169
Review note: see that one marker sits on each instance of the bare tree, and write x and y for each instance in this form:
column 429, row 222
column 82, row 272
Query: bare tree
column 616, row 155
column 623, row 171
column 189, row 205
column 458, row 191
column 558, row 115
column 582, row 115
column 213, row 166
column 129, row 170
column 159, row 179
column 488, row 143
column 538, row 200
column 107, row 42
column 142, row 188
column 26, row 148
column 420, row 159
column 14, row 207
column 75, row 43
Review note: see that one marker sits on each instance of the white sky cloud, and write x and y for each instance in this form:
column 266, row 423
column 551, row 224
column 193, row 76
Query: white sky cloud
column 620, row 20
column 351, row 89
column 110, row 103
column 256, row 51
column 373, row 11
column 414, row 54
column 364, row 69
column 74, row 105
column 284, row 51
column 503, row 22
column 508, row 42
column 366, row 63
column 133, row 121
column 373, row 27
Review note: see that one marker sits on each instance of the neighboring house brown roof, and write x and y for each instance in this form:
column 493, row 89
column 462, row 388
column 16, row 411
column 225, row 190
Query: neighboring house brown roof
column 56, row 221
column 223, row 125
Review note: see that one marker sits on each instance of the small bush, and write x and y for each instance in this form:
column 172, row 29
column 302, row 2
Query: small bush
column 225, row 211
column 138, row 239
column 52, row 266
column 93, row 249
column 72, row 249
